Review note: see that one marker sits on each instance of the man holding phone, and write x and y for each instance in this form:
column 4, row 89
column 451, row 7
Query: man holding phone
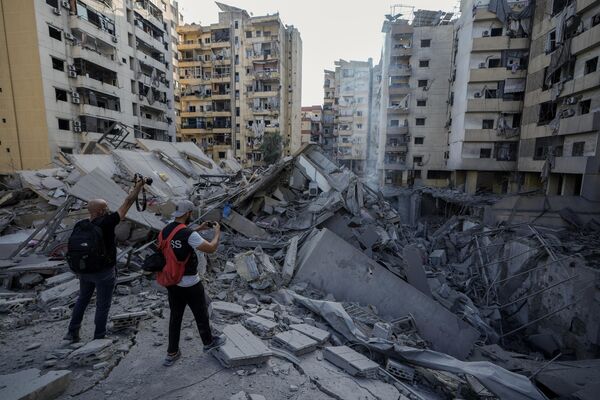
column 189, row 291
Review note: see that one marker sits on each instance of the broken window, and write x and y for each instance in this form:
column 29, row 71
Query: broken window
column 591, row 66
column 66, row 150
column 487, row 124
column 60, row 95
column 425, row 42
column 547, row 112
column 485, row 153
column 578, row 148
column 438, row 174
column 395, row 122
column 58, row 64
column 420, row 121
column 493, row 63
column 423, row 63
column 63, row 124
column 551, row 42
column 559, row 5
column 505, row 151
column 52, row 3
column 54, row 33
column 584, row 106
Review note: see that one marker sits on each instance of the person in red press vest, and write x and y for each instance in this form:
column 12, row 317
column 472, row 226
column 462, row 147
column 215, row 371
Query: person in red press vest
column 181, row 278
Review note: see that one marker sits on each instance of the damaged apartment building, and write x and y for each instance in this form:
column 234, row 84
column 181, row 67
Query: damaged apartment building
column 240, row 80
column 348, row 94
column 312, row 124
column 76, row 70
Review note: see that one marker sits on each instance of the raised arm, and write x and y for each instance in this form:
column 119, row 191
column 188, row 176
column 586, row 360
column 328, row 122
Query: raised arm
column 211, row 247
column 130, row 199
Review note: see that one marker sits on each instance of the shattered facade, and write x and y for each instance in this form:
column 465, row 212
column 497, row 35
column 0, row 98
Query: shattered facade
column 240, row 80
column 312, row 124
column 81, row 69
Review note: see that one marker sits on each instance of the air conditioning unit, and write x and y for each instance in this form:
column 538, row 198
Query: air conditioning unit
column 570, row 100
column 69, row 36
column 72, row 74
column 75, row 94
column 77, row 129
column 65, row 4
column 477, row 95
column 76, row 123
column 568, row 113
column 486, row 33
column 56, row 11
column 75, row 100
column 482, row 65
column 114, row 39
column 313, row 189
column 71, row 67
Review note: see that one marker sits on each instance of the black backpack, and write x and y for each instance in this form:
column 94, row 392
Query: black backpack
column 85, row 251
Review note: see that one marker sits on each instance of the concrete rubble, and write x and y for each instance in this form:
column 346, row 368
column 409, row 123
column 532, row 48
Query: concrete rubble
column 322, row 284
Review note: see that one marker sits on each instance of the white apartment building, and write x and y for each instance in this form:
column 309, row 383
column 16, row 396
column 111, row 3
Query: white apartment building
column 413, row 99
column 100, row 66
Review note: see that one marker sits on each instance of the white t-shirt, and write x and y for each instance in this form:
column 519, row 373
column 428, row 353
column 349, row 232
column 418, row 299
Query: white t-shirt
column 194, row 241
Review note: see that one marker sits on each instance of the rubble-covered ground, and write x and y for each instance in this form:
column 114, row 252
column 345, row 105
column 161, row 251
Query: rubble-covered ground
column 324, row 288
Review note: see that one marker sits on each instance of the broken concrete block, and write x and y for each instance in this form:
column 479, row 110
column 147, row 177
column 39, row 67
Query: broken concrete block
column 400, row 371
column 127, row 320
column 243, row 225
column 60, row 278
column 241, row 348
column 312, row 332
column 30, row 279
column 382, row 330
column 289, row 265
column 96, row 351
column 415, row 274
column 295, row 342
column 261, row 326
column 351, row 361
column 226, row 311
column 33, row 346
column 31, row 385
column 267, row 314
column 246, row 266
column 62, row 294
column 437, row 258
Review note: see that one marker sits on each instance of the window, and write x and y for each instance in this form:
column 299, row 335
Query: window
column 236, row 24
column 60, row 95
column 485, row 153
column 58, row 64
column 584, row 106
column 63, row 124
column 425, row 42
column 417, row 159
column 358, row 114
column 66, row 150
column 258, row 33
column 54, row 33
column 417, row 174
column 52, row 3
column 221, row 154
column 395, row 122
column 420, row 121
column 419, row 140
column 423, row 63
column 487, row 124
column 437, row 174
column 422, row 83
column 494, row 63
column 421, row 103
column 496, row 32
column 358, row 126
column 207, row 40
column 595, row 20
column 547, row 112
column 578, row 148
column 551, row 42
column 591, row 66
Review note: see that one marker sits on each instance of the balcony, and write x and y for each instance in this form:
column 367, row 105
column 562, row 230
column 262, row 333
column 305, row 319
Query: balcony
column 397, row 130
column 221, row 78
column 495, row 74
column 267, row 75
column 87, row 82
column 498, row 43
column 146, row 15
column 397, row 110
column 155, row 124
column 189, row 46
column 270, row 93
column 487, row 164
column 221, row 96
column 400, row 70
column 396, row 148
column 493, row 105
column 344, row 118
column 580, row 124
column 401, row 52
column 81, row 24
column 580, row 84
column 395, row 166
column 482, row 14
column 92, row 56
column 147, row 59
column 585, row 41
column 399, row 88
column 486, row 135
column 571, row 165
column 99, row 112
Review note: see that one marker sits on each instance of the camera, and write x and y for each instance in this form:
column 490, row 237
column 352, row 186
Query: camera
column 137, row 177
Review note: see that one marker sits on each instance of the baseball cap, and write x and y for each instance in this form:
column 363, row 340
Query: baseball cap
column 183, row 207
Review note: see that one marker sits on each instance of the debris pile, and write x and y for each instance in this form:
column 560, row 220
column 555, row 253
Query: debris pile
column 314, row 268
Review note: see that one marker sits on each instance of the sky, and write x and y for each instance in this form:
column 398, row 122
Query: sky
column 330, row 29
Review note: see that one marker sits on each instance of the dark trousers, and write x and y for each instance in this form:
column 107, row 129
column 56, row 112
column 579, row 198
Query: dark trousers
column 192, row 296
column 104, row 283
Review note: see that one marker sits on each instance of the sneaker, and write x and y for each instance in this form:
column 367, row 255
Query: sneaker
column 217, row 341
column 171, row 358
column 72, row 337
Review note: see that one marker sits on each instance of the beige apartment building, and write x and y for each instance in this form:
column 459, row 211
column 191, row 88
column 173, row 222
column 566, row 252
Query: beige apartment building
column 240, row 79
column 351, row 113
column 560, row 147
column 327, row 143
column 312, row 124
column 413, row 96
column 76, row 70
column 488, row 83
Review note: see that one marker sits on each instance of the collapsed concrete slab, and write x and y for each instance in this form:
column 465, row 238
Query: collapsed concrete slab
column 295, row 342
column 241, row 348
column 63, row 293
column 29, row 384
column 351, row 361
column 96, row 351
column 334, row 266
column 312, row 332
